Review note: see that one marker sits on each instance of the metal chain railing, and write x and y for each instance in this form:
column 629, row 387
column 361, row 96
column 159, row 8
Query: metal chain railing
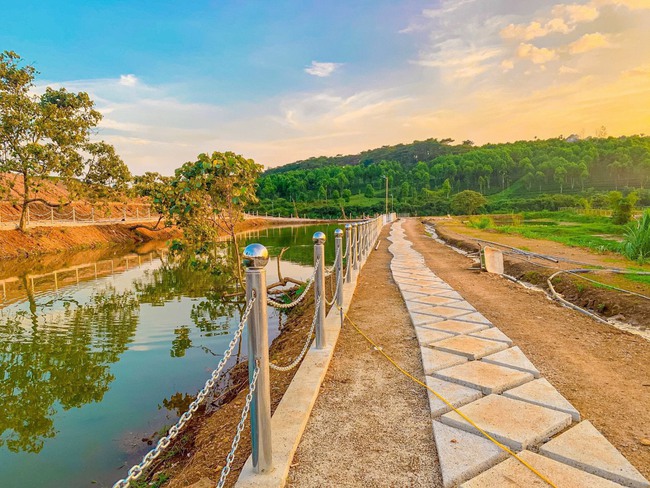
column 240, row 427
column 338, row 282
column 296, row 361
column 302, row 296
column 136, row 471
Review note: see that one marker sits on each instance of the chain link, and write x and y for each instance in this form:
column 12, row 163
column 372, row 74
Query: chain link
column 338, row 283
column 240, row 427
column 136, row 471
column 302, row 296
column 296, row 361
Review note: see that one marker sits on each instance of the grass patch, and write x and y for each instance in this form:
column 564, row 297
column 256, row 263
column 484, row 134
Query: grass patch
column 636, row 245
column 645, row 279
column 481, row 222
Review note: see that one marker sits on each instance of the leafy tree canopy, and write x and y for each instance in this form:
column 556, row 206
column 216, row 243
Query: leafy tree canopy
column 49, row 134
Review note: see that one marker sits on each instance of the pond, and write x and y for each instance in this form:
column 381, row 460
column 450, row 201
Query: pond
column 98, row 355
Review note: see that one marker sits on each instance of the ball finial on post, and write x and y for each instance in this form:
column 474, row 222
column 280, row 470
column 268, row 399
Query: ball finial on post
column 255, row 256
column 338, row 233
column 319, row 237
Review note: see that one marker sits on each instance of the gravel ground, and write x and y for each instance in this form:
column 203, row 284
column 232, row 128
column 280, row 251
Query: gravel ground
column 371, row 426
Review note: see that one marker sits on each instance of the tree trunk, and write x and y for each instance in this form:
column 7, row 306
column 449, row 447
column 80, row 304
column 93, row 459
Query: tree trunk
column 23, row 214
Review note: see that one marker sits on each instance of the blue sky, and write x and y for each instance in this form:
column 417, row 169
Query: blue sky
column 283, row 80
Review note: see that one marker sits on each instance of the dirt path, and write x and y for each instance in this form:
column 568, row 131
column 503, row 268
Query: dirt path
column 604, row 372
column 370, row 426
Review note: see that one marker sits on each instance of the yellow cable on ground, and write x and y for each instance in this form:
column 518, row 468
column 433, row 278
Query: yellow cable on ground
column 443, row 399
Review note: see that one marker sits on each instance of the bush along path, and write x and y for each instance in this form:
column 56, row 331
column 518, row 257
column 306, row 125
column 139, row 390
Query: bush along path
column 496, row 420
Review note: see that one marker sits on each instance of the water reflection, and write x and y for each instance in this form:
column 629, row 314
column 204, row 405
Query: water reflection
column 60, row 362
column 95, row 356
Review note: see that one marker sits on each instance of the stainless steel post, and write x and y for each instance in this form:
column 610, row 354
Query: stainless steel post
column 348, row 253
column 319, row 239
column 338, row 245
column 355, row 246
column 255, row 258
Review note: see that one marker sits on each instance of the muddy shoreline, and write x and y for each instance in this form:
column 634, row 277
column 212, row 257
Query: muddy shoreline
column 39, row 241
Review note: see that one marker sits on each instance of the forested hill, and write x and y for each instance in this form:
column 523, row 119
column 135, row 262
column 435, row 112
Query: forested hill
column 405, row 154
column 423, row 171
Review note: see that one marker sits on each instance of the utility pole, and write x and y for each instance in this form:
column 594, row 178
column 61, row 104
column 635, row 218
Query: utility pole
column 386, row 178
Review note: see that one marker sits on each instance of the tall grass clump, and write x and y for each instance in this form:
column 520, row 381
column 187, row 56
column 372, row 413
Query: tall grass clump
column 482, row 222
column 636, row 245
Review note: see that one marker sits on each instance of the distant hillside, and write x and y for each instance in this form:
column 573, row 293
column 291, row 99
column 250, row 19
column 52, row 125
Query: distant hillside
column 424, row 175
column 405, row 154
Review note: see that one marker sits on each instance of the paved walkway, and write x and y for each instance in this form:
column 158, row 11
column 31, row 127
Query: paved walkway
column 478, row 369
column 370, row 426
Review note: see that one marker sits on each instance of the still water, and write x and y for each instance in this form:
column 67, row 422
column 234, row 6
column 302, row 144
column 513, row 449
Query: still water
column 98, row 354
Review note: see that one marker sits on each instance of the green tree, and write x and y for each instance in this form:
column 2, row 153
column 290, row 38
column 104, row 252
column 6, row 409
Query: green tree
column 207, row 198
column 347, row 194
column 48, row 135
column 446, row 187
column 369, row 191
column 560, row 176
column 622, row 207
column 467, row 202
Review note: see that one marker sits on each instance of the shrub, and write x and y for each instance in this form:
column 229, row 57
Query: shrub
column 636, row 245
column 482, row 222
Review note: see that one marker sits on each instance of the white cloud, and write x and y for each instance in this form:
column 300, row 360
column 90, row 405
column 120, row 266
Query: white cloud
column 322, row 70
column 576, row 13
column 630, row 4
column 535, row 29
column 538, row 55
column 567, row 70
column 507, row 64
column 589, row 42
column 128, row 80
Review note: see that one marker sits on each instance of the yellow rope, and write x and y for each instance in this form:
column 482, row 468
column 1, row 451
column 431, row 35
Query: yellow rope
column 470, row 421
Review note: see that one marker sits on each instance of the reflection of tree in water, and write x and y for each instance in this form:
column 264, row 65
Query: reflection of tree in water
column 178, row 403
column 68, row 366
column 212, row 278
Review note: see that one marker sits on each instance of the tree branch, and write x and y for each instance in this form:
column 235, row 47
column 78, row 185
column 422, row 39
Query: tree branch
column 148, row 227
column 45, row 202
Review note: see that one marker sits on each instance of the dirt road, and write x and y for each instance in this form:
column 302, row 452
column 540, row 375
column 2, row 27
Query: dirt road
column 370, row 426
column 604, row 372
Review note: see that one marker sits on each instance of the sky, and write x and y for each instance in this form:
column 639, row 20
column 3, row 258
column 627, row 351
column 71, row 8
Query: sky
column 282, row 80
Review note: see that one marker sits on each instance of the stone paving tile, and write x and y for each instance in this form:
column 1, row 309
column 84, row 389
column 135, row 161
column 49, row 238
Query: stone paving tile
column 433, row 360
column 470, row 347
column 584, row 447
column 493, row 334
column 428, row 336
column 417, row 289
column 449, row 293
column 463, row 455
column 442, row 311
column 476, row 317
column 409, row 295
column 512, row 474
column 421, row 320
column 516, row 424
column 458, row 327
column 489, row 378
column 463, row 305
column 513, row 358
column 457, row 395
column 446, row 312
column 541, row 392
column 434, row 300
